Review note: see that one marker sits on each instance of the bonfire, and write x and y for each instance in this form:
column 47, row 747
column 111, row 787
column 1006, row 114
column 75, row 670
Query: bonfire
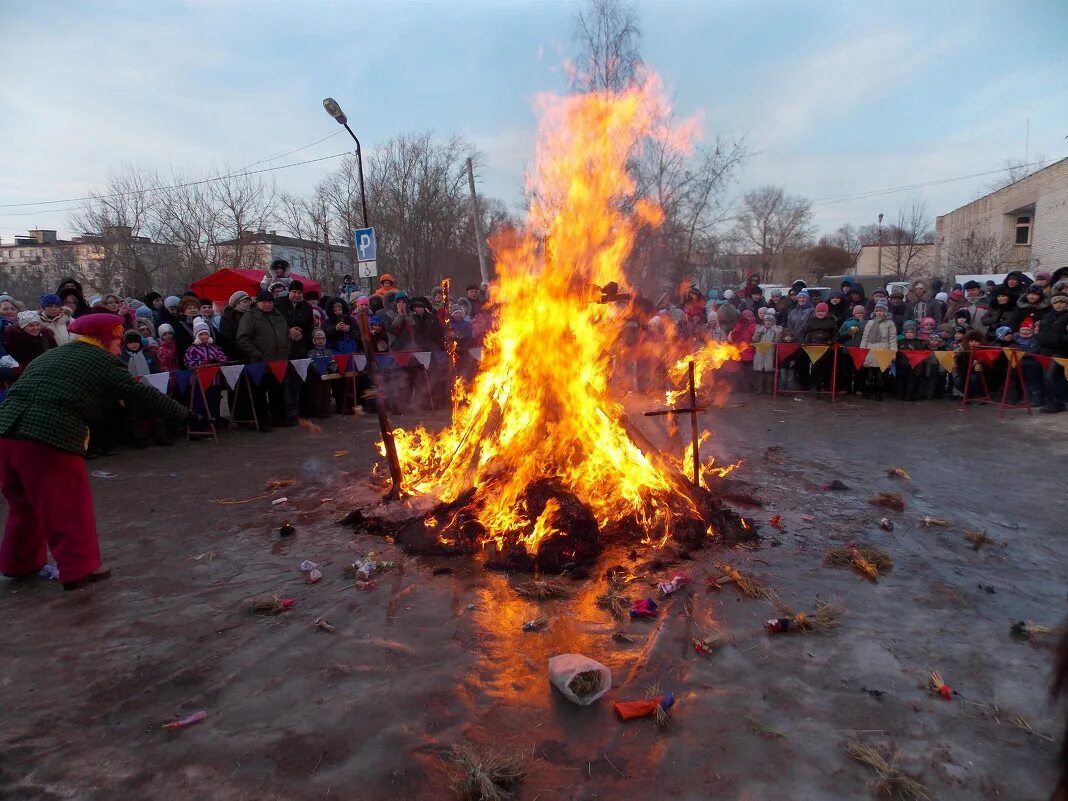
column 540, row 462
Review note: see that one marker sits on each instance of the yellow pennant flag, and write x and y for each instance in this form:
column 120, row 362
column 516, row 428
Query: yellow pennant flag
column 947, row 359
column 815, row 352
column 1063, row 362
column 883, row 356
column 763, row 347
column 1012, row 355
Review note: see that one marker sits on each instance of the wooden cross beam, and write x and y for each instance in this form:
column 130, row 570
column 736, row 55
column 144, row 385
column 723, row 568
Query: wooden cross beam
column 692, row 411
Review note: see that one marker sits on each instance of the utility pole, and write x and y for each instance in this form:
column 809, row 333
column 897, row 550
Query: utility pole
column 880, row 270
column 483, row 262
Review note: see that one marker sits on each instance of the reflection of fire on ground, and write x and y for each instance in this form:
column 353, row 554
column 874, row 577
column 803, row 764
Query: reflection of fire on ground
column 540, row 463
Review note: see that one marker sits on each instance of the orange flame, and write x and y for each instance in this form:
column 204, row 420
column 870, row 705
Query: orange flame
column 540, row 406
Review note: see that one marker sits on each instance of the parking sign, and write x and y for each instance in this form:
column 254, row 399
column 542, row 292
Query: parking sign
column 366, row 245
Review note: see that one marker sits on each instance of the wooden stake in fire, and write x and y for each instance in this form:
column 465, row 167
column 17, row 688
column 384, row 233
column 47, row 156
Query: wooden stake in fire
column 380, row 406
column 692, row 411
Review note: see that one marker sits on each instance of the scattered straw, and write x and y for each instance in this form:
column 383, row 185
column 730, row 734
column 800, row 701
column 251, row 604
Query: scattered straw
column 614, row 599
column 309, row 426
column 933, row 522
column 279, row 483
column 1033, row 632
column 543, row 589
column 898, row 472
column 871, row 562
column 706, row 646
column 486, row 774
column 824, row 620
column 888, row 780
column 763, row 729
column 745, row 582
column 891, row 500
column 264, row 605
column 977, row 538
column 622, row 636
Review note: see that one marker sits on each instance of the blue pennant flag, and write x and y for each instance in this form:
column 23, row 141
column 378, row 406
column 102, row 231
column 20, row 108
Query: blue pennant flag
column 3, row 394
column 255, row 371
column 181, row 377
column 384, row 362
column 321, row 364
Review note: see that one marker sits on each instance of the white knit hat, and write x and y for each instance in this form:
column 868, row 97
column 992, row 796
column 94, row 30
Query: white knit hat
column 165, row 328
column 27, row 317
column 199, row 325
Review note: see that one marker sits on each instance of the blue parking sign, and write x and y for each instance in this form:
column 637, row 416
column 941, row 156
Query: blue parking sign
column 366, row 245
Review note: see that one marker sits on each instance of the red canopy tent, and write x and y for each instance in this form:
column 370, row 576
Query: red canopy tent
column 220, row 285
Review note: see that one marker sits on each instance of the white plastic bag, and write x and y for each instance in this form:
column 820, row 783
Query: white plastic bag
column 564, row 667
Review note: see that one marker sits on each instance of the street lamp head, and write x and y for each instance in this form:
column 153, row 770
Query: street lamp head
column 334, row 110
column 880, row 213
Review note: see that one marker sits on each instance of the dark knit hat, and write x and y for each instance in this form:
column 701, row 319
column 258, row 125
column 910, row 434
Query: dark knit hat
column 51, row 299
column 297, row 285
column 971, row 285
column 131, row 336
column 263, row 295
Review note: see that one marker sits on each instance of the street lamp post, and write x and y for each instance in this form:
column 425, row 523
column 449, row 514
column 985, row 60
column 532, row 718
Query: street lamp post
column 880, row 242
column 390, row 444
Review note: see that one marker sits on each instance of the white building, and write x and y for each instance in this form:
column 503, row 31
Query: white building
column 892, row 260
column 1023, row 226
column 257, row 249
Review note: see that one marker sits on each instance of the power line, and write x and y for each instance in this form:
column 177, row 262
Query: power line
column 242, row 171
column 937, row 182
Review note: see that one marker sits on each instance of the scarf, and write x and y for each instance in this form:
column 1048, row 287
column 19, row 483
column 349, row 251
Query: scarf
column 137, row 364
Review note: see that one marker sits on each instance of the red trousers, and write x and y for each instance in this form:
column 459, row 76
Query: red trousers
column 49, row 504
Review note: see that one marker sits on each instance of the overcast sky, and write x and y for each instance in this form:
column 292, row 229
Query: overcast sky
column 834, row 98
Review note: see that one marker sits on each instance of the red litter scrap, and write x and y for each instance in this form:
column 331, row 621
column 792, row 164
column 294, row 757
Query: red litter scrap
column 777, row 522
column 196, row 717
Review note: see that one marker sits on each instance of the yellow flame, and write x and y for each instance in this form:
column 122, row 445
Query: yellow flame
column 540, row 406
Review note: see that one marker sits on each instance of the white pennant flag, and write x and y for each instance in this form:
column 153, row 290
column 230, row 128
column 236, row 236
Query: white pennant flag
column 476, row 353
column 301, row 366
column 361, row 362
column 424, row 359
column 232, row 372
column 159, row 380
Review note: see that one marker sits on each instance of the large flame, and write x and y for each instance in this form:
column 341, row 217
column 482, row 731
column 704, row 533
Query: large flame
column 540, row 406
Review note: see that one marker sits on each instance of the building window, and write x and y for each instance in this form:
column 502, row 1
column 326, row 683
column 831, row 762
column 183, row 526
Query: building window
column 1023, row 229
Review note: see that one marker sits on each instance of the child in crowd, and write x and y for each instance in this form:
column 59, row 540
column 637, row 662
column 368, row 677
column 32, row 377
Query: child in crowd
column 322, row 388
column 786, row 366
column 880, row 334
column 741, row 337
column 1032, row 370
column 139, row 426
column 167, row 357
column 764, row 358
column 201, row 353
column 909, row 378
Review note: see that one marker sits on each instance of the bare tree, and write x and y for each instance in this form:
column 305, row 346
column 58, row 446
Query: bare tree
column 1013, row 170
column 910, row 241
column 607, row 34
column 848, row 239
column 188, row 216
column 977, row 253
column 244, row 203
column 774, row 223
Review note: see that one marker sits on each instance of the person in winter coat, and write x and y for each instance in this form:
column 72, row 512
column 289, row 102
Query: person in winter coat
column 898, row 308
column 386, row 284
column 44, row 426
column 975, row 304
column 856, row 295
column 1053, row 339
column 342, row 332
column 27, row 339
column 204, row 352
column 72, row 296
column 797, row 319
column 879, row 334
column 55, row 318
column 838, row 307
column 229, row 322
column 401, row 327
column 752, row 300
column 1031, row 368
column 299, row 317
column 1017, row 283
column 264, row 336
column 821, row 330
column 741, row 336
column 921, row 305
column 764, row 358
column 279, row 271
column 910, row 380
column 1002, row 311
column 189, row 309
column 726, row 314
column 1033, row 304
column 428, row 333
column 167, row 355
column 141, row 426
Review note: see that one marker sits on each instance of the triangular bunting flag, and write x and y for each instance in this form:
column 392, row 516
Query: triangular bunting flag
column 1063, row 362
column 786, row 350
column 255, row 371
column 278, row 369
column 383, row 361
column 1045, row 361
column 301, row 366
column 424, row 358
column 322, row 364
column 232, row 373
column 402, row 358
column 763, row 347
column 986, row 356
column 206, row 375
column 159, row 380
column 343, row 362
column 1012, row 355
column 181, row 378
column 947, row 359
column 815, row 352
column 3, row 394
column 916, row 357
column 476, row 354
column 440, row 356
column 361, row 362
column 858, row 355
column 883, row 356
column 138, row 377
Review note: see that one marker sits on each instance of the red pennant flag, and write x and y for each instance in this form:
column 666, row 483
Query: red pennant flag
column 1045, row 361
column 206, row 375
column 137, row 377
column 401, row 358
column 916, row 357
column 278, row 369
column 342, row 362
column 786, row 350
column 858, row 355
column 987, row 357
